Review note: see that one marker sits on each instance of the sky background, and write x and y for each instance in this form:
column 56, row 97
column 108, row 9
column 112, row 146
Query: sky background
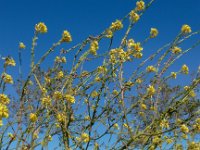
column 91, row 17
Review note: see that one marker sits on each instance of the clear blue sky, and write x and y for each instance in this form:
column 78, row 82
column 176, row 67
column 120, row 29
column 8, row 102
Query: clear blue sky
column 89, row 17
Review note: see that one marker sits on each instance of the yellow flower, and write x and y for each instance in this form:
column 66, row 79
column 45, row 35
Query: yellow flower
column 151, row 69
column 66, row 36
column 138, row 55
column 151, row 90
column 41, row 27
column 117, row 25
column 60, row 75
column 186, row 29
column 94, row 94
column 94, row 46
column 139, row 81
column 137, row 47
column 60, row 59
column 3, row 111
column 69, row 98
column 116, row 126
column 7, row 78
column 184, row 128
column 173, row 74
column 153, row 32
column 143, row 106
column 156, row 140
column 21, row 45
column 60, row 117
column 10, row 62
column 131, row 43
column 4, row 99
column 185, row 69
column 101, row 69
column 176, row 50
column 57, row 95
column 164, row 123
column 140, row 5
column 85, row 137
column 134, row 17
column 125, row 125
column 97, row 79
column 33, row 117
column 109, row 33
column 46, row 101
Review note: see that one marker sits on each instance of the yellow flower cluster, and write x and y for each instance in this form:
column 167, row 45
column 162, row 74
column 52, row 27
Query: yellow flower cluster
column 69, row 98
column 94, row 94
column 185, row 69
column 66, row 36
column 85, row 137
column 151, row 90
column 153, row 33
column 119, row 54
column 137, row 47
column 184, row 128
column 4, row 99
column 193, row 146
column 46, row 101
column 60, row 59
column 134, row 17
column 41, row 27
column 22, row 45
column 109, row 33
column 191, row 93
column 33, row 117
column 3, row 111
column 9, row 62
column 94, row 46
column 176, row 50
column 186, row 29
column 196, row 126
column 101, row 69
column 7, row 78
column 164, row 123
column 60, row 75
column 151, row 69
column 156, row 140
column 140, row 5
column 143, row 106
column 117, row 25
column 60, row 117
column 57, row 95
column 173, row 75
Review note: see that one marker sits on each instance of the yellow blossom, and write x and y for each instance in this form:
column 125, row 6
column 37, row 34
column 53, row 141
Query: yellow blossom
column 7, row 78
column 185, row 69
column 10, row 62
column 139, row 81
column 176, row 50
column 156, row 140
column 125, row 125
column 60, row 75
column 85, row 137
column 173, row 74
column 109, row 33
column 186, row 29
column 184, row 128
column 134, row 17
column 3, row 111
column 57, row 95
column 33, row 117
column 22, row 45
column 94, row 94
column 153, row 32
column 137, row 47
column 138, row 55
column 69, row 98
column 151, row 90
column 117, row 25
column 116, row 126
column 140, row 5
column 143, row 106
column 164, row 123
column 4, row 99
column 46, row 101
column 94, row 46
column 60, row 117
column 131, row 43
column 41, row 27
column 151, row 69
column 66, row 36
